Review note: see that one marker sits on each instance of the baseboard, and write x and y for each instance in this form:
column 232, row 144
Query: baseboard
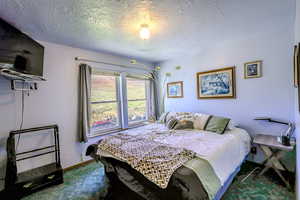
column 81, row 164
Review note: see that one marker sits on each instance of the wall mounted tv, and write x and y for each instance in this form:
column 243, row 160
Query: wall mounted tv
column 18, row 52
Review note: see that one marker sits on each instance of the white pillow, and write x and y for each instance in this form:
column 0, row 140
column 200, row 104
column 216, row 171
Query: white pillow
column 231, row 125
column 200, row 120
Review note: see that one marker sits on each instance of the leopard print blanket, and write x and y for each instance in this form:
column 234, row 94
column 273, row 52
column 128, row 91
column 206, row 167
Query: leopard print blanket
column 156, row 161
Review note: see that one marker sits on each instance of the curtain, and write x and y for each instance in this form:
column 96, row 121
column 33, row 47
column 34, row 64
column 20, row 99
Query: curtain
column 85, row 73
column 154, row 107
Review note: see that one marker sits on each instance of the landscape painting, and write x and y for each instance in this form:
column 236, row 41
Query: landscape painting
column 175, row 89
column 218, row 83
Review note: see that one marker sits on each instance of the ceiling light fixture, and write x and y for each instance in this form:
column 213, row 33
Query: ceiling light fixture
column 145, row 32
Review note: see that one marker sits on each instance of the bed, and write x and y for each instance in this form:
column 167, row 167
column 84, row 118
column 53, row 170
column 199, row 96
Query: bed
column 221, row 157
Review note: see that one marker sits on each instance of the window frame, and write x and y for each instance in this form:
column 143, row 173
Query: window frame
column 98, row 131
column 122, row 104
column 147, row 101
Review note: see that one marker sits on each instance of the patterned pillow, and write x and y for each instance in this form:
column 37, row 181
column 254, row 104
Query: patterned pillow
column 184, row 124
column 179, row 115
column 200, row 120
column 217, row 124
column 170, row 116
column 171, row 123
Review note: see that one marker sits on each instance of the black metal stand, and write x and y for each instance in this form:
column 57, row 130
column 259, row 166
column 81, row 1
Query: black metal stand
column 18, row 185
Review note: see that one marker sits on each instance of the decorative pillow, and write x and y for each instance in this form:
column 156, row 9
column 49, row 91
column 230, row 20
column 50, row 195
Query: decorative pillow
column 170, row 116
column 177, row 115
column 217, row 124
column 171, row 123
column 184, row 124
column 185, row 117
column 200, row 120
column 162, row 118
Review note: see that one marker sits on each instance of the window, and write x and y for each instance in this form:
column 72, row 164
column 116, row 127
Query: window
column 105, row 103
column 110, row 109
column 137, row 100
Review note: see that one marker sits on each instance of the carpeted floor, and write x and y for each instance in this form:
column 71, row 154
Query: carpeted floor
column 89, row 183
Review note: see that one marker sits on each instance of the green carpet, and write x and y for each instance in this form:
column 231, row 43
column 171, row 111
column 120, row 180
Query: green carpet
column 89, row 183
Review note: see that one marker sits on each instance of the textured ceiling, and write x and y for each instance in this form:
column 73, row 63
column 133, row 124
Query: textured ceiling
column 178, row 27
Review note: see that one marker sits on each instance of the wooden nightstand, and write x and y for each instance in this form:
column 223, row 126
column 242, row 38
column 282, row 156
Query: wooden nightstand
column 273, row 151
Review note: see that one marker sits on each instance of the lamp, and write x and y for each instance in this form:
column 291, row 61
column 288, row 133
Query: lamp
column 145, row 32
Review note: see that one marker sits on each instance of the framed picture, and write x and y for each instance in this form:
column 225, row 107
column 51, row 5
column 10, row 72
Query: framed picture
column 175, row 89
column 296, row 66
column 253, row 69
column 218, row 83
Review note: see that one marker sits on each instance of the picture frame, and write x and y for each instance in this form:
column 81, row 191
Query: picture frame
column 216, row 84
column 253, row 69
column 296, row 66
column 175, row 89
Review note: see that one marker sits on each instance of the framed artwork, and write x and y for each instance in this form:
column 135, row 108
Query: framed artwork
column 296, row 66
column 253, row 69
column 215, row 84
column 175, row 89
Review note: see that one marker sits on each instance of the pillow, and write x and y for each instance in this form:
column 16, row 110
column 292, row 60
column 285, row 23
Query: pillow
column 162, row 118
column 171, row 123
column 200, row 120
column 217, row 124
column 170, row 116
column 231, row 125
column 184, row 124
column 185, row 117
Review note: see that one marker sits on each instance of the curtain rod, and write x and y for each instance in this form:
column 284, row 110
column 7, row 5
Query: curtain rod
column 112, row 64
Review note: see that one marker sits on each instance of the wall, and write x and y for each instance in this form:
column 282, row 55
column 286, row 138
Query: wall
column 272, row 95
column 54, row 103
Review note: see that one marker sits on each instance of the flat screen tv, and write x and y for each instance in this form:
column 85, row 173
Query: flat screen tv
column 18, row 52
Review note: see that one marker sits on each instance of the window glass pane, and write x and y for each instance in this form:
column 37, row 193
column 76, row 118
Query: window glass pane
column 136, row 89
column 103, row 88
column 137, row 111
column 104, row 116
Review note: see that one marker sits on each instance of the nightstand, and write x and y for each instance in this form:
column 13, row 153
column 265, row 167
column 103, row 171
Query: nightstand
column 273, row 151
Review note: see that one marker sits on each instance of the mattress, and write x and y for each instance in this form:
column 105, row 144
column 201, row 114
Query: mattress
column 223, row 152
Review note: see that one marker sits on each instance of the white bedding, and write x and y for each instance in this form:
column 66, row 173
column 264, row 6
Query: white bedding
column 224, row 152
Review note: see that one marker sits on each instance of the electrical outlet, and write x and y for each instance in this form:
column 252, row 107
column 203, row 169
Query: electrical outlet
column 253, row 150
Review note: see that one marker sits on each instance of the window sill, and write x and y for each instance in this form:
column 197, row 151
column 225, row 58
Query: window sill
column 137, row 124
column 103, row 133
column 109, row 132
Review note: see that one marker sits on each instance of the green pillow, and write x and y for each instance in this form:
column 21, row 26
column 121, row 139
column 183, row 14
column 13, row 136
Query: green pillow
column 217, row 124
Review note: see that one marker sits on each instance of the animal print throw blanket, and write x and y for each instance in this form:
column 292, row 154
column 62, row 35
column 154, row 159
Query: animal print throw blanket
column 156, row 161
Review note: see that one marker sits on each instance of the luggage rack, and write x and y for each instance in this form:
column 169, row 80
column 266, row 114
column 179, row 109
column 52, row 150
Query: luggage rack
column 18, row 185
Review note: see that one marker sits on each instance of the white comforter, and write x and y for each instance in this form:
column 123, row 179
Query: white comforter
column 224, row 152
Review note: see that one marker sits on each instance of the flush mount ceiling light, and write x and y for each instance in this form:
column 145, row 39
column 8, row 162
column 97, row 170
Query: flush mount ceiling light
column 145, row 32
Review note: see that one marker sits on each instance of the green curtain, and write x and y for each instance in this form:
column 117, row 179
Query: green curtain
column 85, row 73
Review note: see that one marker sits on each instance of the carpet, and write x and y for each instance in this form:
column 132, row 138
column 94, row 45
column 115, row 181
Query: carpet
column 89, row 183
